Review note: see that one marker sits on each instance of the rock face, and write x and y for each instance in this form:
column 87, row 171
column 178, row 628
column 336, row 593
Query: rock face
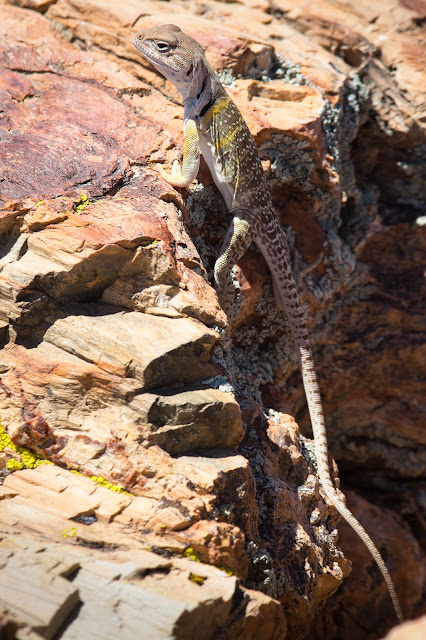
column 66, row 577
column 115, row 358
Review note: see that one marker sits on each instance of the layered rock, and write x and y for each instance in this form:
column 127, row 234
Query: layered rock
column 116, row 361
column 65, row 569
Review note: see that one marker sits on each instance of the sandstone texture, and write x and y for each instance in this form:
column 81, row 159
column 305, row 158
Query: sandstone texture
column 155, row 481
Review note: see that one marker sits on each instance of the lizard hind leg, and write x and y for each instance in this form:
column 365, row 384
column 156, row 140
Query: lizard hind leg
column 237, row 240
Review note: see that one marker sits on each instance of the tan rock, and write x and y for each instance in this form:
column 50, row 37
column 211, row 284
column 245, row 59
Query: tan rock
column 44, row 585
column 136, row 345
column 109, row 327
column 412, row 630
column 37, row 600
column 199, row 419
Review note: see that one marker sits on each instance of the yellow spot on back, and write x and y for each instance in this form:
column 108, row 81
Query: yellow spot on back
column 233, row 125
column 225, row 140
column 215, row 110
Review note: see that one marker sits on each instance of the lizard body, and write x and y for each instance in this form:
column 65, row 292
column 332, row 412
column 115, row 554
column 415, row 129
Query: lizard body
column 214, row 127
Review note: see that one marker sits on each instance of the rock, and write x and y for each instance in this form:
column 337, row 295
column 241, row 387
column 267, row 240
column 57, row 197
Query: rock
column 157, row 352
column 115, row 248
column 90, row 568
column 37, row 600
column 201, row 418
column 7, row 627
column 116, row 360
column 414, row 630
column 293, row 522
column 349, row 611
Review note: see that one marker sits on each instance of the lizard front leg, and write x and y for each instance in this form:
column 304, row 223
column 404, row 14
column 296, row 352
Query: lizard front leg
column 237, row 240
column 182, row 177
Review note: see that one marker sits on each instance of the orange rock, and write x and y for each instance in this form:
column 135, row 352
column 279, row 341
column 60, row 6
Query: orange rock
column 114, row 344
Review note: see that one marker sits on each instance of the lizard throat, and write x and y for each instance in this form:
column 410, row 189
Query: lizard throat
column 199, row 94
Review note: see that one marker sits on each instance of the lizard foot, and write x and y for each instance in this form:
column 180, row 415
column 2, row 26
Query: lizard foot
column 176, row 178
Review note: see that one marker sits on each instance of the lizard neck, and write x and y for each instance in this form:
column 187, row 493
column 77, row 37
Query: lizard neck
column 199, row 94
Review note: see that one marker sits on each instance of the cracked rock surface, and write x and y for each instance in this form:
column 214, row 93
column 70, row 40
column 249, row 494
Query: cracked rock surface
column 178, row 481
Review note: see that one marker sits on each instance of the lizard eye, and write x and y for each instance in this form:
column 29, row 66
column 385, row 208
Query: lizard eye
column 162, row 46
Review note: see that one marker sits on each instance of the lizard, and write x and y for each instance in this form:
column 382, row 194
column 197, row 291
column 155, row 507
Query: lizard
column 214, row 127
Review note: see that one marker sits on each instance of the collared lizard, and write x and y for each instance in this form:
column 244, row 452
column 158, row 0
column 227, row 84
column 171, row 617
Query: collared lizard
column 214, row 127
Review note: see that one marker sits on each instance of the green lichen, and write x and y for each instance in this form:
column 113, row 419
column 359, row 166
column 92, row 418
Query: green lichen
column 197, row 579
column 190, row 553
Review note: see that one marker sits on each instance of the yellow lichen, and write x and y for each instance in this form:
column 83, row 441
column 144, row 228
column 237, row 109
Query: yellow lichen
column 228, row 572
column 190, row 553
column 197, row 579
column 31, row 460
column 14, row 465
column 109, row 485
column 82, row 203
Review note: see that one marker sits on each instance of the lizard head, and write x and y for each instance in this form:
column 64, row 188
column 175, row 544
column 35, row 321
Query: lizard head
column 174, row 54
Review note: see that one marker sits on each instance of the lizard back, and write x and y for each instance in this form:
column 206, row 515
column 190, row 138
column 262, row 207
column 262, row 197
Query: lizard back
column 237, row 169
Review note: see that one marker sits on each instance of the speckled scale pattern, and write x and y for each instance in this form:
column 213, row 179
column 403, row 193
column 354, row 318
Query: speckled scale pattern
column 237, row 159
column 236, row 155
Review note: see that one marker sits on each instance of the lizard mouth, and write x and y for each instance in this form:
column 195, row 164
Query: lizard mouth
column 139, row 46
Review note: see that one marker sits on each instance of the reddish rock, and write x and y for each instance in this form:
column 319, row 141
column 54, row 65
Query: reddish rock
column 349, row 611
column 115, row 361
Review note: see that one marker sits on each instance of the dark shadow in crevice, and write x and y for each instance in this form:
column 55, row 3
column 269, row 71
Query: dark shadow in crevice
column 68, row 622
column 30, row 336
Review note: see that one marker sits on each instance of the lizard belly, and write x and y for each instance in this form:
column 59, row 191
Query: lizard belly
column 207, row 149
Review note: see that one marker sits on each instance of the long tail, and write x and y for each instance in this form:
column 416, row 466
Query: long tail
column 317, row 419
column 287, row 298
